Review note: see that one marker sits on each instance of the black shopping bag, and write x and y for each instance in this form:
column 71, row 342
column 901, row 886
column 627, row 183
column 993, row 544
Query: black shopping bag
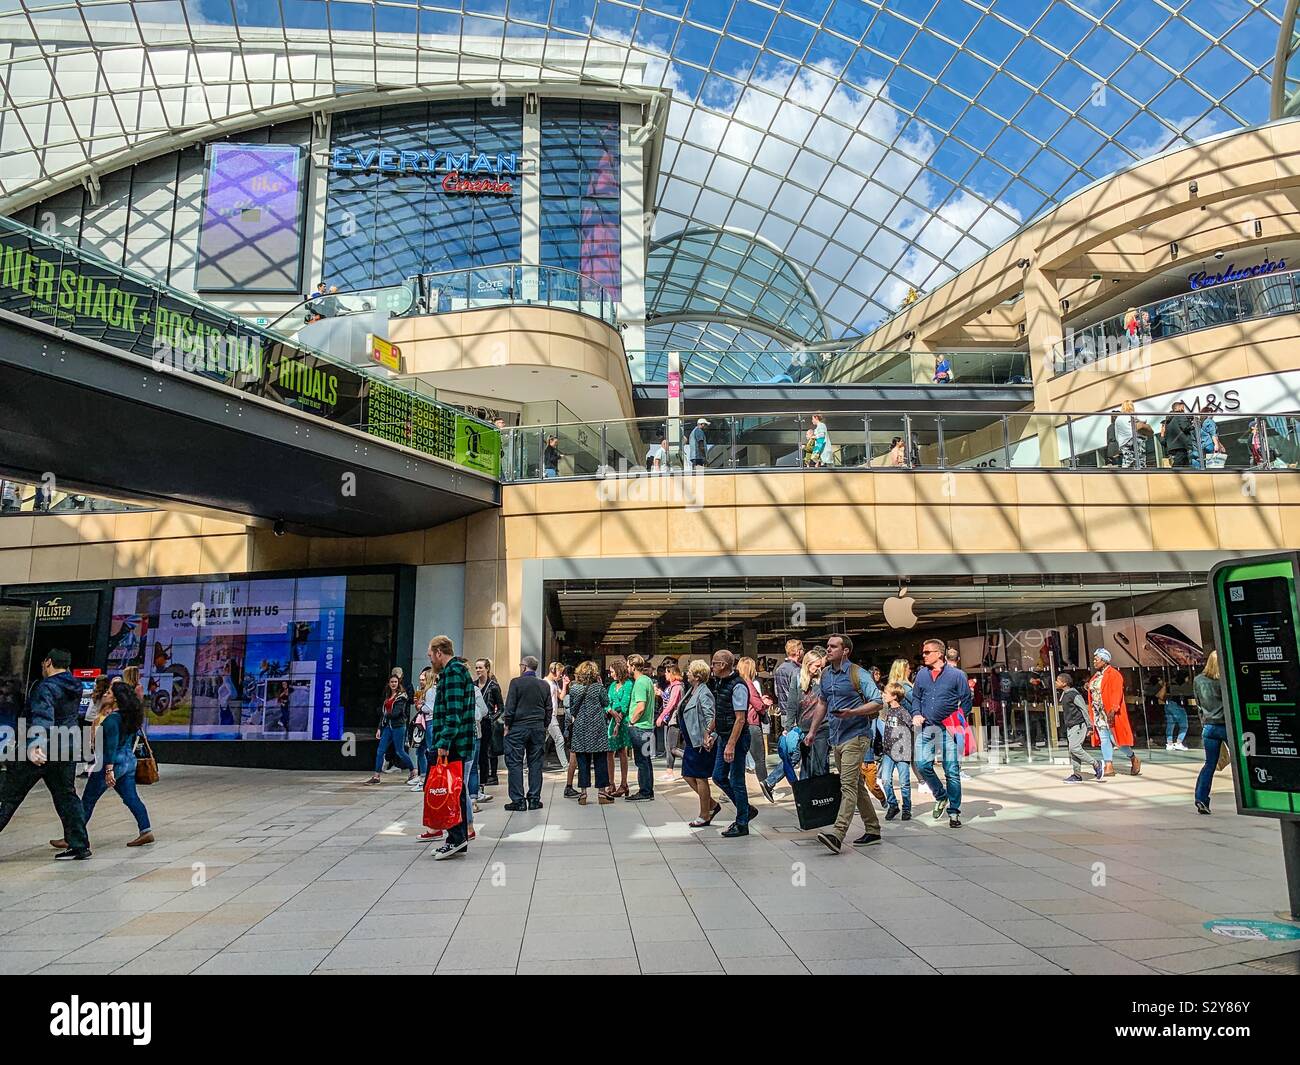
column 817, row 800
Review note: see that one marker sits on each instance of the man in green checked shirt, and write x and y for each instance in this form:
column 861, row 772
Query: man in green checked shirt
column 451, row 730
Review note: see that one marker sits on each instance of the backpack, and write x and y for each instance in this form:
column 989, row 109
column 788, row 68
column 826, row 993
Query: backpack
column 1112, row 444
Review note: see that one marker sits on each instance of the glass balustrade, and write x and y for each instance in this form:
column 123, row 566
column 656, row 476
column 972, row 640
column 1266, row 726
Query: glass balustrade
column 923, row 440
column 801, row 367
column 511, row 284
column 1203, row 308
column 178, row 333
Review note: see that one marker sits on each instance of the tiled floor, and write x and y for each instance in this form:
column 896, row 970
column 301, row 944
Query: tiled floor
column 279, row 872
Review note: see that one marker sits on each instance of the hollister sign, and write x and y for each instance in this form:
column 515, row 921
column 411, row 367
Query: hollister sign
column 68, row 609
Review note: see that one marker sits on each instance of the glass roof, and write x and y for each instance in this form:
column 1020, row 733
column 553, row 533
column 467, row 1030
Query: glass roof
column 879, row 144
column 733, row 276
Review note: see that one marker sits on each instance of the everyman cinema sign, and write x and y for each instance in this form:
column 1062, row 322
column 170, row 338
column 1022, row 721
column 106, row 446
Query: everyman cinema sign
column 472, row 173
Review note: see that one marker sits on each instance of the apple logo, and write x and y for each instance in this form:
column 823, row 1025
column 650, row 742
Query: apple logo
column 899, row 610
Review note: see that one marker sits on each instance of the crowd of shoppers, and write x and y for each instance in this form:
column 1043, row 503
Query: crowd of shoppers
column 884, row 734
column 54, row 747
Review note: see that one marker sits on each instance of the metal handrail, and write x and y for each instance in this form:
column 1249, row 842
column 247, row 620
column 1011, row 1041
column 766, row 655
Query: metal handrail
column 525, row 288
column 1150, row 316
column 945, row 440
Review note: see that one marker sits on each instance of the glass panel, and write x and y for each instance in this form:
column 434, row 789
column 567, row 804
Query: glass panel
column 888, row 442
column 925, row 440
column 973, row 441
column 1035, row 438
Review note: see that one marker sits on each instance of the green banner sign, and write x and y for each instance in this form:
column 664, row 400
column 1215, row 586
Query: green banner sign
column 478, row 446
column 51, row 282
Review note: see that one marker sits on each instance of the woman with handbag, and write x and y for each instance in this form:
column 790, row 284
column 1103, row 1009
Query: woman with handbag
column 391, row 732
column 748, row 670
column 492, row 731
column 668, row 717
column 120, row 730
column 1214, row 734
column 589, row 732
column 698, row 755
column 417, row 733
column 620, row 705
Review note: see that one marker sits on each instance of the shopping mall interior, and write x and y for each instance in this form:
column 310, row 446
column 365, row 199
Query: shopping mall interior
column 587, row 330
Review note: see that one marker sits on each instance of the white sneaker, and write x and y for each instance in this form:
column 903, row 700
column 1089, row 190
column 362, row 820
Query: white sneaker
column 483, row 796
column 1169, row 747
column 391, row 769
column 1181, row 747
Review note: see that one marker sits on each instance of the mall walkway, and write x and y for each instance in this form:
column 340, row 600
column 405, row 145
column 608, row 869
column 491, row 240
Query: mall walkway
column 318, row 873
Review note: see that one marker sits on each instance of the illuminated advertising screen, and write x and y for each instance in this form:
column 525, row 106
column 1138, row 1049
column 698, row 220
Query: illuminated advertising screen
column 253, row 659
column 250, row 239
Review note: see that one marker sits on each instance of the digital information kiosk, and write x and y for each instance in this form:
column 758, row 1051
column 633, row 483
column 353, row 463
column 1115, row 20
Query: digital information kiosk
column 1256, row 628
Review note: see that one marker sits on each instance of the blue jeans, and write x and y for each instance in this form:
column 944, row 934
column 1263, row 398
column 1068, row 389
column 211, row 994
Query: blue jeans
column 1212, row 738
column 1109, row 748
column 422, row 754
column 394, row 738
column 927, row 740
column 731, row 778
column 460, row 833
column 788, row 748
column 642, row 745
column 1175, row 722
column 886, row 781
column 474, row 788
column 97, row 784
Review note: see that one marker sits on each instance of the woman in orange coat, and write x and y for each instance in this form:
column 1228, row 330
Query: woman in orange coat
column 1106, row 694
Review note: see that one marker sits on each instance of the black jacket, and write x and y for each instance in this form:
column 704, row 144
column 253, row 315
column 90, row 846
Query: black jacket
column 1179, row 433
column 53, row 703
column 724, row 714
column 1074, row 710
column 528, row 702
column 492, row 696
column 397, row 718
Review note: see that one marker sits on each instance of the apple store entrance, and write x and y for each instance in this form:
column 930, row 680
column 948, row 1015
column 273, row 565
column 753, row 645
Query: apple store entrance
column 1014, row 635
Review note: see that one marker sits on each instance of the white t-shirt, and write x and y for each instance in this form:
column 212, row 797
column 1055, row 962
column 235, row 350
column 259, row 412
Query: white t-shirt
column 824, row 436
column 656, row 452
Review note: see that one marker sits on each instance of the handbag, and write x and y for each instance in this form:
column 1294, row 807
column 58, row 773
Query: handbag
column 146, row 765
column 1224, row 757
column 442, row 795
column 415, row 733
column 817, row 801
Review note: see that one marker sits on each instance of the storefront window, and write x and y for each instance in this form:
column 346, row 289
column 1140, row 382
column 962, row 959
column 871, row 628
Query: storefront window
column 580, row 190
column 391, row 211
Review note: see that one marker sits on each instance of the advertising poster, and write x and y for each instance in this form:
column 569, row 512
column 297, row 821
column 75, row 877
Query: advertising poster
column 250, row 237
column 257, row 659
column 1171, row 639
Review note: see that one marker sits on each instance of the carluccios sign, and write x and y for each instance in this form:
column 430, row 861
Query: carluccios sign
column 1201, row 279
column 463, row 173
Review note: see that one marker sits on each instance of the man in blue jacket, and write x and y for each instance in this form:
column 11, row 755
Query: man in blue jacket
column 939, row 691
column 49, row 754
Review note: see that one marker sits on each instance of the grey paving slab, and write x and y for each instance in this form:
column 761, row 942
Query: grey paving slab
column 313, row 872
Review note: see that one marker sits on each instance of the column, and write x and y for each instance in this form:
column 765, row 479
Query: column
column 635, row 221
column 1045, row 330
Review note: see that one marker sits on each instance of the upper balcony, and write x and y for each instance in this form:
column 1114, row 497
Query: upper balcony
column 512, row 333
column 1205, row 307
column 876, row 442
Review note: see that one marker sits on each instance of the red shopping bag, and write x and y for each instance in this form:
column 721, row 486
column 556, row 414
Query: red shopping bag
column 957, row 725
column 442, row 802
